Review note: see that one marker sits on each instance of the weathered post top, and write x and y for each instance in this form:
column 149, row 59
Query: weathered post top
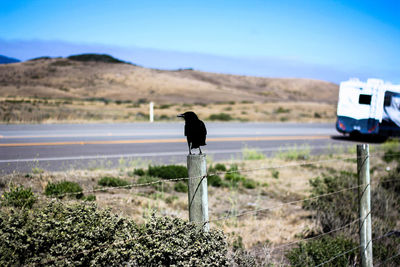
column 197, row 194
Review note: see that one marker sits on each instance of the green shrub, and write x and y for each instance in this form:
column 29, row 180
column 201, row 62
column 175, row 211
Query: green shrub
column 90, row 198
column 275, row 174
column 164, row 117
column 171, row 199
column 385, row 248
column 391, row 182
column 139, row 172
column 220, row 117
column 220, row 167
column 317, row 115
column 234, row 178
column 82, row 235
column 112, row 182
column 249, row 183
column 18, row 196
column 168, row 171
column 60, row 189
column 214, row 180
column 181, row 187
column 165, row 106
column 336, row 210
column 391, row 155
column 317, row 251
column 281, row 110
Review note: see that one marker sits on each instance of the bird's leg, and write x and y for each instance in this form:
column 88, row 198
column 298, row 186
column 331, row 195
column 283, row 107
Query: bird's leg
column 190, row 150
column 200, row 151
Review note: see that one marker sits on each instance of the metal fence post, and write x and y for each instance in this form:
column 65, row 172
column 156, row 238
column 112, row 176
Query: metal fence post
column 197, row 183
column 364, row 195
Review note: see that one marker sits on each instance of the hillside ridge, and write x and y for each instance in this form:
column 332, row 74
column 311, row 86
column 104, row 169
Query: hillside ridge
column 8, row 60
column 81, row 79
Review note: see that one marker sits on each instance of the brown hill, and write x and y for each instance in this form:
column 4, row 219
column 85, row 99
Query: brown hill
column 68, row 78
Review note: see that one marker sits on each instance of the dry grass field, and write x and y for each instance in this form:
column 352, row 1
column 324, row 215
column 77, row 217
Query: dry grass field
column 51, row 90
column 34, row 110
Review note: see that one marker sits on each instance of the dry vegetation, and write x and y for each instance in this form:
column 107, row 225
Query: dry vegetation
column 34, row 110
column 257, row 232
column 63, row 90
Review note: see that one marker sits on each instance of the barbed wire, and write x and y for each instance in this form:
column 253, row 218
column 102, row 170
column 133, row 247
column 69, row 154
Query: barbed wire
column 348, row 251
column 195, row 177
column 304, row 163
column 317, row 236
column 337, row 256
column 129, row 186
column 280, row 205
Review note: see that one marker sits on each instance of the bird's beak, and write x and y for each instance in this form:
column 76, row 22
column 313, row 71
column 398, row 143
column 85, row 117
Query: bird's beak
column 180, row 116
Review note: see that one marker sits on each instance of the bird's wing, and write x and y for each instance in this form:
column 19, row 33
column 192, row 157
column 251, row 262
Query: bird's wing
column 203, row 128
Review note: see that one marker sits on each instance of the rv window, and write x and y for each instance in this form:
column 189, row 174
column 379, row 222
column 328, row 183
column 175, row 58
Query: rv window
column 388, row 100
column 365, row 99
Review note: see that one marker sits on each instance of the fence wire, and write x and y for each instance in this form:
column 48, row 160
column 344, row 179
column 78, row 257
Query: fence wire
column 351, row 250
column 280, row 205
column 135, row 185
column 315, row 237
column 244, row 213
column 337, row 256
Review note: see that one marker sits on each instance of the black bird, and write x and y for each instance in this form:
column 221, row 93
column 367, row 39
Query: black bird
column 195, row 131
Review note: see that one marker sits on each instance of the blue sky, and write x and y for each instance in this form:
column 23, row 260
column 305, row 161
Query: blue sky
column 351, row 37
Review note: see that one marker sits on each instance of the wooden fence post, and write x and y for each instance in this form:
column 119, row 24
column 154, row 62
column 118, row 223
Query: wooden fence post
column 364, row 196
column 197, row 183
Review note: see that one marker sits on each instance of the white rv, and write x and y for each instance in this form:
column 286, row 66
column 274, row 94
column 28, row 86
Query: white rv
column 368, row 108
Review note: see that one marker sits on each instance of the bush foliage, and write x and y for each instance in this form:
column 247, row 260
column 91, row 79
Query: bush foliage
column 82, row 235
column 214, row 179
column 18, row 196
column 337, row 210
column 315, row 252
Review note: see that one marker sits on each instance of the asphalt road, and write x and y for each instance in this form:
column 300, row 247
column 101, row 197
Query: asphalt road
column 61, row 147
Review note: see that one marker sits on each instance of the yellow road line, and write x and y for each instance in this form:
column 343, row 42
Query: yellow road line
column 176, row 140
column 70, row 135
